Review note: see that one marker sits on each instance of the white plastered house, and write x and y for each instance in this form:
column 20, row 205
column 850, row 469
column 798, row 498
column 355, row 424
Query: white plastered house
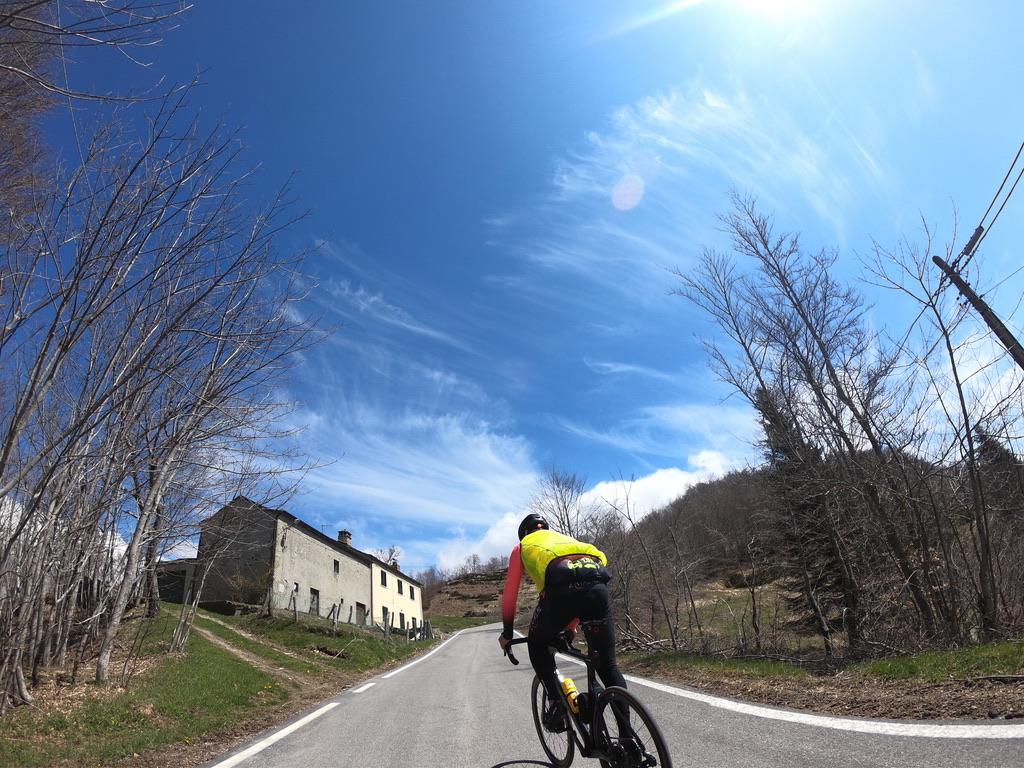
column 260, row 553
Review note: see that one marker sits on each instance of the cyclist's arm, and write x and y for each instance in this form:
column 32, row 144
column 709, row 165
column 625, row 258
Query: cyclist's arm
column 510, row 595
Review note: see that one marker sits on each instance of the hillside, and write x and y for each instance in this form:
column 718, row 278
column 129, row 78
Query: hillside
column 849, row 692
column 478, row 596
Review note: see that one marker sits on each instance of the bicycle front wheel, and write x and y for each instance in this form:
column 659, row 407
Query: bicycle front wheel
column 627, row 733
column 553, row 727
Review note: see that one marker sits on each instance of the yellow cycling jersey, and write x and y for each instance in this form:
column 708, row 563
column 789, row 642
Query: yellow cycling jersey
column 539, row 548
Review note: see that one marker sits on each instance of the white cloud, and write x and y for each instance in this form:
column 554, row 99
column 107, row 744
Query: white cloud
column 417, row 477
column 497, row 541
column 436, row 468
column 642, row 494
column 688, row 147
column 679, row 429
column 431, row 445
column 613, row 368
column 181, row 551
column 362, row 301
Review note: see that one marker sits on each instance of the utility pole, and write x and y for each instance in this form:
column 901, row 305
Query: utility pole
column 1001, row 331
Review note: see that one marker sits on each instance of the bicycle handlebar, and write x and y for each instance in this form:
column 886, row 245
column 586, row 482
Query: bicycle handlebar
column 562, row 643
column 508, row 649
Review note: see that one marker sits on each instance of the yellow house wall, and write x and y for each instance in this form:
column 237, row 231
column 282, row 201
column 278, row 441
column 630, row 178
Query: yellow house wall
column 408, row 603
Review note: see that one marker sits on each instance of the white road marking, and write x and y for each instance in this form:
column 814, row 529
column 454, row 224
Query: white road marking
column 274, row 737
column 418, row 659
column 362, row 688
column 886, row 728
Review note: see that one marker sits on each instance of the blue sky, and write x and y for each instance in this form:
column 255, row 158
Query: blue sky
column 500, row 187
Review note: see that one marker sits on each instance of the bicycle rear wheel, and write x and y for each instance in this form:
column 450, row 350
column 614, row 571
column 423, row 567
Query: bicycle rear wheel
column 553, row 728
column 626, row 732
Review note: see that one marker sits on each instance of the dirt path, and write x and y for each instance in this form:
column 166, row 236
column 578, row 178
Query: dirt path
column 305, row 691
column 264, row 665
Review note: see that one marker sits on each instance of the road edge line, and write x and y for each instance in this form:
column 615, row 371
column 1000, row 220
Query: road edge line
column 274, row 737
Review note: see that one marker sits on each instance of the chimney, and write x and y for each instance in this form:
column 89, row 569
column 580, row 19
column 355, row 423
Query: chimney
column 345, row 537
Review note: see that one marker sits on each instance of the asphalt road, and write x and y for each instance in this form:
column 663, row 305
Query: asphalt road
column 464, row 706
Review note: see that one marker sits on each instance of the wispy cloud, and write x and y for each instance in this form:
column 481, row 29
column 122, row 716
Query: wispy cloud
column 673, row 431
column 436, row 454
column 351, row 300
column 613, row 368
column 414, row 472
column 683, row 150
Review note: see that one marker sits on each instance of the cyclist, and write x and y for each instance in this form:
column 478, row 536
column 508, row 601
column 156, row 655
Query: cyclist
column 572, row 578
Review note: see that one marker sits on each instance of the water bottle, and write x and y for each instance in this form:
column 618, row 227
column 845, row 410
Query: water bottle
column 569, row 689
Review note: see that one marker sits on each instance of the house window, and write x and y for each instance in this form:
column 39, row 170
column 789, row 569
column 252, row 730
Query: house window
column 383, row 578
column 384, row 614
column 412, row 596
column 337, row 567
column 401, row 621
column 400, row 587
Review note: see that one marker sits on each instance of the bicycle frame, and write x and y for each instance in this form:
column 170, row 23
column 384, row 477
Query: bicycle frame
column 582, row 732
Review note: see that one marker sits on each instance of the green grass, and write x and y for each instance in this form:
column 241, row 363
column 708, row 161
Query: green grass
column 977, row 661
column 186, row 697
column 350, row 649
column 752, row 667
column 180, row 700
column 283, row 660
column 455, row 623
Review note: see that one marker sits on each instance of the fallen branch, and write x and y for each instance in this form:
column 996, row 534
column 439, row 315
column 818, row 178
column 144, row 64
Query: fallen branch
column 996, row 679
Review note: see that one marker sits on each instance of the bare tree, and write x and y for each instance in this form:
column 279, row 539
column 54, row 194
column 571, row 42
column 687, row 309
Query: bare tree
column 559, row 498
column 712, row 532
column 969, row 401
column 37, row 43
column 21, row 105
column 662, row 602
column 50, row 31
column 800, row 340
column 153, row 328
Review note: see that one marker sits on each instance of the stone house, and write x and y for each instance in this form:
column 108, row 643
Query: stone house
column 260, row 553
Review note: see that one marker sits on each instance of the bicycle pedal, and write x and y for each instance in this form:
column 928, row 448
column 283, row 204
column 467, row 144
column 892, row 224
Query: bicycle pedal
column 555, row 719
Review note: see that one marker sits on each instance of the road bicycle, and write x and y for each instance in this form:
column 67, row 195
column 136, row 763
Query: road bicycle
column 609, row 724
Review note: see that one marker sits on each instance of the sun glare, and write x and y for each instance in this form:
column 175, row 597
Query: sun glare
column 774, row 7
column 628, row 192
column 658, row 14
